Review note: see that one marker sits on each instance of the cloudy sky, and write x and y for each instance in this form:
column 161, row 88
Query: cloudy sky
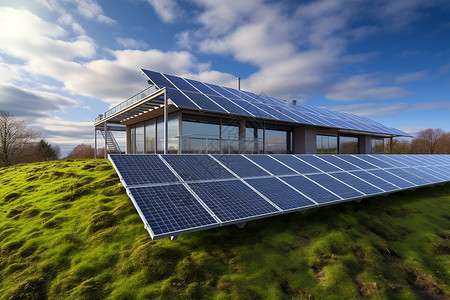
column 64, row 62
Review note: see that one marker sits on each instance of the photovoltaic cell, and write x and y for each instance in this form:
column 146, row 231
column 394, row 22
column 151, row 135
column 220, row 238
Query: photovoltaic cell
column 357, row 162
column 409, row 176
column 179, row 99
column 296, row 164
column 280, row 193
column 318, row 163
column 377, row 181
column 240, row 165
column 423, row 174
column 142, row 169
column 270, row 164
column 310, row 189
column 204, row 102
column 401, row 183
column 197, row 167
column 375, row 161
column 170, row 208
column 335, row 186
column 342, row 164
column 357, row 183
column 232, row 200
column 436, row 173
column 390, row 160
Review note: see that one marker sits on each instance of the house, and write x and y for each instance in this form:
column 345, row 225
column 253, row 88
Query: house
column 184, row 116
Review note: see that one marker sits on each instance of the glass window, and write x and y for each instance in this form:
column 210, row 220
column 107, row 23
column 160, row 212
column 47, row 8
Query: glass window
column 172, row 134
column 348, row 145
column 230, row 138
column 377, row 145
column 160, row 135
column 199, row 137
column 140, row 139
column 275, row 141
column 326, row 144
column 150, row 137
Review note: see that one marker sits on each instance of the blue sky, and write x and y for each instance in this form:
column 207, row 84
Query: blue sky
column 63, row 62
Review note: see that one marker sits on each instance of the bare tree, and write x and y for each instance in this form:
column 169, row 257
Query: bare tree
column 82, row 151
column 15, row 137
column 428, row 141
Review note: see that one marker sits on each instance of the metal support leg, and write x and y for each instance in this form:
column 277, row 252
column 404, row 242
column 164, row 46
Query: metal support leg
column 95, row 142
column 391, row 145
column 166, row 127
column 105, row 144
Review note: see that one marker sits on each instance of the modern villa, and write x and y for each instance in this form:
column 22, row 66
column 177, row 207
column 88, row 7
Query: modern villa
column 182, row 116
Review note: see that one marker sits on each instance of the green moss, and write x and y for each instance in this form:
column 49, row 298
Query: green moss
column 72, row 233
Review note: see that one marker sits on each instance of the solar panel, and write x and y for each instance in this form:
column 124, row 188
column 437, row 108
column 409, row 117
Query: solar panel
column 280, row 193
column 176, row 194
column 142, row 169
column 318, row 163
column 311, row 189
column 296, row 164
column 359, row 184
column 197, row 167
column 270, row 164
column 232, row 200
column 337, row 187
column 261, row 106
column 169, row 209
column 336, row 161
column 240, row 165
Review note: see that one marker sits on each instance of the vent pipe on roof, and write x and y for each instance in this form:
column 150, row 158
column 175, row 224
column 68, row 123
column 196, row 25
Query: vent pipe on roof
column 294, row 102
column 239, row 83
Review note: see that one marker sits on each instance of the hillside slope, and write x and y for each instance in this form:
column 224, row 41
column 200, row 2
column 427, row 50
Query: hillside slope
column 67, row 230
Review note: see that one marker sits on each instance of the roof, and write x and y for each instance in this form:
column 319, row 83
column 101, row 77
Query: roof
column 195, row 95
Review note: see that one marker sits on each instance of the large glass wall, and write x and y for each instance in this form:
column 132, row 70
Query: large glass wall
column 254, row 138
column 348, row 145
column 229, row 131
column 276, row 141
column 377, row 145
column 200, row 134
column 150, row 137
column 326, row 144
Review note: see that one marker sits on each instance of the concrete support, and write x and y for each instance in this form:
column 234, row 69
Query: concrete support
column 365, row 144
column 304, row 140
column 166, row 122
column 241, row 225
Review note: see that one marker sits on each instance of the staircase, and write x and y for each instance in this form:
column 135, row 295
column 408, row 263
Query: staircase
column 111, row 143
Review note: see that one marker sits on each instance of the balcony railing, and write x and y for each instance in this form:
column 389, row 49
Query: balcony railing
column 130, row 101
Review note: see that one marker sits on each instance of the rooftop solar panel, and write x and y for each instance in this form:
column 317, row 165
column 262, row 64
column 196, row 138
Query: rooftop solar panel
column 358, row 162
column 232, row 200
column 176, row 194
column 262, row 106
column 336, row 161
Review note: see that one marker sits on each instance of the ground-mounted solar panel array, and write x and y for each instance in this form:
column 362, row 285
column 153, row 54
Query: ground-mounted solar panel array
column 192, row 94
column 176, row 194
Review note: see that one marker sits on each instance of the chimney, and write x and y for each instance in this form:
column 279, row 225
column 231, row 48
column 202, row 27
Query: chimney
column 294, row 102
column 239, row 83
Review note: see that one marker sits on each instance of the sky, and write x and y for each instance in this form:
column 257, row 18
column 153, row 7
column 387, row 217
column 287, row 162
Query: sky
column 64, row 62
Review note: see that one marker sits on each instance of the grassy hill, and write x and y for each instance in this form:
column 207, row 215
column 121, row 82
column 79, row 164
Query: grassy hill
column 67, row 230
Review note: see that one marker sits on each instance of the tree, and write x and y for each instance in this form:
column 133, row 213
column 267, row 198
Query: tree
column 82, row 151
column 43, row 151
column 428, row 141
column 15, row 138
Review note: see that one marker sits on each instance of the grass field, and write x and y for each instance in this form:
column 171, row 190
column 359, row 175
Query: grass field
column 67, row 230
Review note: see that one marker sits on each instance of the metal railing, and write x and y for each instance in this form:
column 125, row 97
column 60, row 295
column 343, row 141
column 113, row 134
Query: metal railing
column 130, row 101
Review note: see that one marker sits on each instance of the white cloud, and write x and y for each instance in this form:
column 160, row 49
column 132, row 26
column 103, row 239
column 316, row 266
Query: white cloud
column 414, row 76
column 167, row 10
column 412, row 130
column 131, row 43
column 363, row 87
